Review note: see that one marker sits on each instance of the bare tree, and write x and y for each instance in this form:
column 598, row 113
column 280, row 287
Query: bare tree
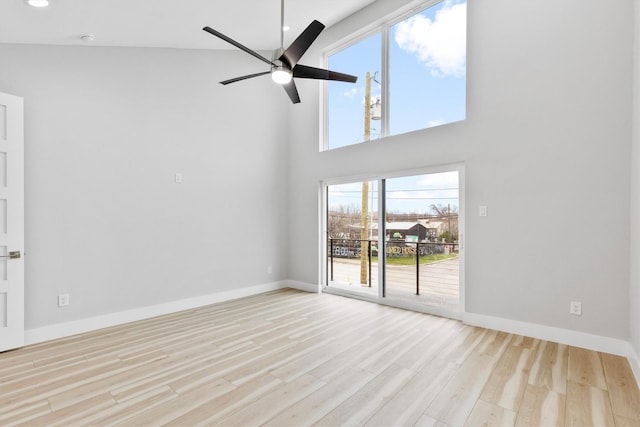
column 339, row 219
column 449, row 216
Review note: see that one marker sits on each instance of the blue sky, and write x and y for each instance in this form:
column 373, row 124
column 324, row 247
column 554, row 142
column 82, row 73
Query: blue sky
column 427, row 56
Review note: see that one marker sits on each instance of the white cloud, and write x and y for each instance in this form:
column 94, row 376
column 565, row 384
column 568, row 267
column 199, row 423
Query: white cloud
column 439, row 44
column 374, row 97
column 434, row 123
column 351, row 93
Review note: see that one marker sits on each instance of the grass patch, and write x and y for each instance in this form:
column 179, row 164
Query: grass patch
column 411, row 260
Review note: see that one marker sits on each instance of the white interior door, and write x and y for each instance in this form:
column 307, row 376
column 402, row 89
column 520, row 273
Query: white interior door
column 11, row 222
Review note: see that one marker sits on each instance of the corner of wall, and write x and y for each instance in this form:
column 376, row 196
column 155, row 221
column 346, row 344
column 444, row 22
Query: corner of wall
column 303, row 286
column 634, row 361
column 634, row 250
column 560, row 335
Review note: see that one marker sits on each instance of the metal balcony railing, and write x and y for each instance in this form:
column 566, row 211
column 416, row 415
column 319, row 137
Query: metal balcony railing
column 395, row 248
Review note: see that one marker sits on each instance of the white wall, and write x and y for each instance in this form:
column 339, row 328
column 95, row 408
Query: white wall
column 546, row 145
column 106, row 129
column 634, row 297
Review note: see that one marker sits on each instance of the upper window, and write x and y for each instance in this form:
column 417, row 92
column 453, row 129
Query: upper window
column 422, row 85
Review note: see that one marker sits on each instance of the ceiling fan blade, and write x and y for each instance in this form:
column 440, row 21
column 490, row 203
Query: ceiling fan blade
column 292, row 55
column 292, row 91
column 238, row 45
column 237, row 79
column 305, row 72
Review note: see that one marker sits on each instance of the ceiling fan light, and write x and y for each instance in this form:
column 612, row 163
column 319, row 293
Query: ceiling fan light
column 38, row 3
column 281, row 75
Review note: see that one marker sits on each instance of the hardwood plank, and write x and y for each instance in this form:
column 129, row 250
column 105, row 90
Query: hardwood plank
column 508, row 380
column 268, row 361
column 623, row 390
column 550, row 368
column 487, row 414
column 24, row 412
column 429, row 347
column 458, row 398
column 359, row 407
column 427, row 421
column 229, row 403
column 408, row 405
column 173, row 370
column 587, row 406
column 129, row 409
column 464, row 343
column 11, row 368
column 625, row 422
column 585, row 367
column 73, row 413
column 261, row 410
column 381, row 360
column 494, row 343
column 310, row 361
column 318, row 404
column 38, row 388
column 228, row 367
column 292, row 358
column 541, row 407
column 356, row 355
column 99, row 386
column 179, row 405
column 526, row 342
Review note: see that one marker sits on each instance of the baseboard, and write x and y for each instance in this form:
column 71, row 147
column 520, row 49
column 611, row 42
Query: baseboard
column 61, row 330
column 303, row 286
column 634, row 361
column 563, row 336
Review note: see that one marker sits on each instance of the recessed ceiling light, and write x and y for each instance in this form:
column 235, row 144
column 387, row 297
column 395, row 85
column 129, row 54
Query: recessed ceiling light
column 38, row 3
column 286, row 28
column 87, row 38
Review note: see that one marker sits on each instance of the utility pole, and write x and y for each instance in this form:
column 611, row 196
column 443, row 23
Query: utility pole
column 449, row 219
column 364, row 232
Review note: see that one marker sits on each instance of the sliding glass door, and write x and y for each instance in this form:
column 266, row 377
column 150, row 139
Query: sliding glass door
column 352, row 235
column 422, row 239
column 397, row 239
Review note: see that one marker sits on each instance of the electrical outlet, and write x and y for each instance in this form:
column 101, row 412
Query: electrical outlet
column 575, row 308
column 178, row 177
column 63, row 300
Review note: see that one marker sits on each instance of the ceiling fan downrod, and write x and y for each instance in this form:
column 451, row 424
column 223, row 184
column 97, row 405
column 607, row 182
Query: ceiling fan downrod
column 280, row 73
column 282, row 25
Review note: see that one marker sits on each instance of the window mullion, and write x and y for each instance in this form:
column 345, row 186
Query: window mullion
column 384, row 94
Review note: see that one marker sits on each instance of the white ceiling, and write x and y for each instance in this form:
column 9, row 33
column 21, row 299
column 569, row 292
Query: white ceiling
column 166, row 23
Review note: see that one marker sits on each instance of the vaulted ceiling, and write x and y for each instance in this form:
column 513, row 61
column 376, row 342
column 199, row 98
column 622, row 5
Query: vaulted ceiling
column 166, row 23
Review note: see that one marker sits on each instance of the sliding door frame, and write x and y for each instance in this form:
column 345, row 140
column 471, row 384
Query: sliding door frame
column 323, row 278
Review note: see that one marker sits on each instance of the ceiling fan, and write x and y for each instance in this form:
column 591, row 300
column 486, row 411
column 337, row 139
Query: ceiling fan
column 284, row 63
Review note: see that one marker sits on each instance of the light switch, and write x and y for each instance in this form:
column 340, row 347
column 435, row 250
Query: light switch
column 482, row 211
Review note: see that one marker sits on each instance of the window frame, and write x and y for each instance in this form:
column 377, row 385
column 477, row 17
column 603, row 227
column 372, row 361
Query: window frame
column 382, row 26
column 381, row 178
column 342, row 45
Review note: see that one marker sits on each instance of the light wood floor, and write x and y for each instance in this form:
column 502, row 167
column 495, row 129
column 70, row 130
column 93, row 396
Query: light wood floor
column 290, row 358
